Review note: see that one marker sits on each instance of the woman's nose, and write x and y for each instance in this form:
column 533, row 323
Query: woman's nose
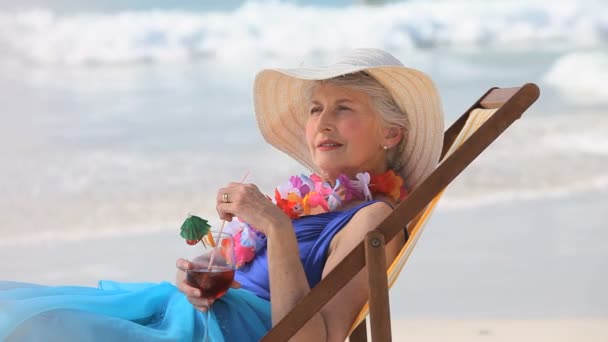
column 326, row 121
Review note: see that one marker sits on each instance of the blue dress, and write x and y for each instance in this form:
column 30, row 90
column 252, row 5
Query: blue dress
column 159, row 312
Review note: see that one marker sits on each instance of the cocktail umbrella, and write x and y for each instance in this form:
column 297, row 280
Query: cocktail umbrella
column 194, row 229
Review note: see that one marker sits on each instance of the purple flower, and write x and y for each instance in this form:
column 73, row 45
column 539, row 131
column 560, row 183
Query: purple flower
column 296, row 181
column 350, row 190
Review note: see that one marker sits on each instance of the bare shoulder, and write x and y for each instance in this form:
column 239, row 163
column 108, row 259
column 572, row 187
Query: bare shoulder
column 376, row 211
column 368, row 217
column 364, row 220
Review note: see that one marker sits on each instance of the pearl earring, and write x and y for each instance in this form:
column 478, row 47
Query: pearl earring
column 385, row 147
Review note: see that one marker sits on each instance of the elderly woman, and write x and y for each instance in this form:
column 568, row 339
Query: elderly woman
column 369, row 128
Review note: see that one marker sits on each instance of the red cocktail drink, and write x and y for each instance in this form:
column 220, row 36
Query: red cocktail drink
column 213, row 282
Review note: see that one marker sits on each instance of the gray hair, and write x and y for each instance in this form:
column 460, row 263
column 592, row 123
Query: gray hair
column 382, row 102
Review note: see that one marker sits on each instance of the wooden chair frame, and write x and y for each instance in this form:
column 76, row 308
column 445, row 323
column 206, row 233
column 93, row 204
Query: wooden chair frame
column 512, row 103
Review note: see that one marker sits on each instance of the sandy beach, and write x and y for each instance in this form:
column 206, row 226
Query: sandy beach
column 484, row 330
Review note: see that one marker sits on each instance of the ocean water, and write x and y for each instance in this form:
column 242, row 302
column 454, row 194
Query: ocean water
column 121, row 119
column 124, row 120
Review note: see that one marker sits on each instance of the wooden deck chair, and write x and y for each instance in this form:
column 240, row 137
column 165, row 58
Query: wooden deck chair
column 475, row 130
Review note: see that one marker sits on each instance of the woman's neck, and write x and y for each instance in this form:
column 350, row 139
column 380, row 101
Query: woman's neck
column 331, row 176
column 379, row 197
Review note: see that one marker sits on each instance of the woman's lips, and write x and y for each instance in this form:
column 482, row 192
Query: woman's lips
column 328, row 145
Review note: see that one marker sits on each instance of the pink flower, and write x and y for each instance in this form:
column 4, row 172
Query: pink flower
column 316, row 199
column 243, row 254
column 316, row 178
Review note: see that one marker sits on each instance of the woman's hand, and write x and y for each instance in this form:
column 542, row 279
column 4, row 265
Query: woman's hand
column 192, row 293
column 250, row 205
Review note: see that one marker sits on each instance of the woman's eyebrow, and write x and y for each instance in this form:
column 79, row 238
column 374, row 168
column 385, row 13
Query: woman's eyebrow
column 344, row 100
column 339, row 101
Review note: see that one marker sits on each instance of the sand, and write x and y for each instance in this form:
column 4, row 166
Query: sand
column 537, row 330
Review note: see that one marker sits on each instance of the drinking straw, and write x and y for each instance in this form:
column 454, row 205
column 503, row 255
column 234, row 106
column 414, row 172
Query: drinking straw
column 219, row 235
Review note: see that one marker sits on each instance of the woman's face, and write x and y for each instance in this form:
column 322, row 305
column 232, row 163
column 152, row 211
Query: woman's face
column 344, row 133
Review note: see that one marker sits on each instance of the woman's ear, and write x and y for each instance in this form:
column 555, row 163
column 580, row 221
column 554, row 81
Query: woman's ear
column 392, row 136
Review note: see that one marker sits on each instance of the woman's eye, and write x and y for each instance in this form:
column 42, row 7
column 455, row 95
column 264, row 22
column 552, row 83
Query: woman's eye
column 315, row 110
column 342, row 108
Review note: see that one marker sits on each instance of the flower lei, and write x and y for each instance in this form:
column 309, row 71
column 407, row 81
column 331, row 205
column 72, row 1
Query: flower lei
column 301, row 194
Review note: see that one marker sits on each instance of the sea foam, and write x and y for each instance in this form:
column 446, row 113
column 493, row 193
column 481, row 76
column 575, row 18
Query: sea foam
column 286, row 32
column 581, row 77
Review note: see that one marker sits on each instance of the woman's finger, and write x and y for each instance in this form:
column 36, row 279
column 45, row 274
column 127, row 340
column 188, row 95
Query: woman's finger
column 202, row 308
column 223, row 196
column 235, row 191
column 228, row 194
column 203, row 304
column 224, row 210
column 183, row 264
column 197, row 301
column 185, row 288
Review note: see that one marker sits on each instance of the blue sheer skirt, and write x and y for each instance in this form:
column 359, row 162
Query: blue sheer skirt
column 125, row 312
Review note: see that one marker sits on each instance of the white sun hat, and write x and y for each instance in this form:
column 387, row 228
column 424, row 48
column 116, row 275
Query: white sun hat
column 281, row 109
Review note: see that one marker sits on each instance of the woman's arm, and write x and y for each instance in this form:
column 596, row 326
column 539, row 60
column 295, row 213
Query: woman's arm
column 288, row 282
